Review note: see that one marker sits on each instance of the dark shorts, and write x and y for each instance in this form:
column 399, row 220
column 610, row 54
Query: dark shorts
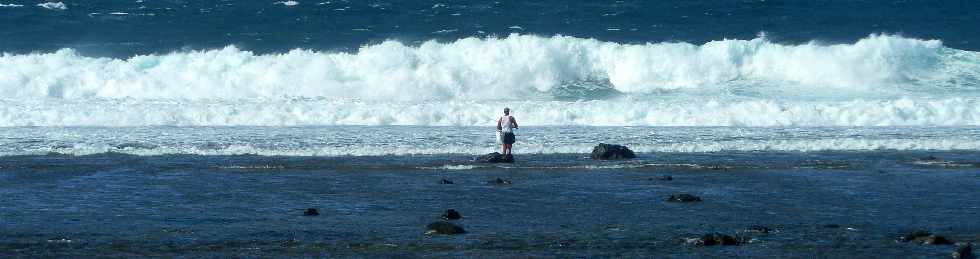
column 509, row 138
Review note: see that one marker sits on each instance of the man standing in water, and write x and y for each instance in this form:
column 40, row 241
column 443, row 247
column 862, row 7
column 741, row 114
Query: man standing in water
column 506, row 125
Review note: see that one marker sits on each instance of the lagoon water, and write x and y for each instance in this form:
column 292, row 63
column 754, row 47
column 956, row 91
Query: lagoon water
column 205, row 128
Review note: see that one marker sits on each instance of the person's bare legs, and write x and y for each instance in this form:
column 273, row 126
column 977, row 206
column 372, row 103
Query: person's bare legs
column 503, row 149
column 507, row 149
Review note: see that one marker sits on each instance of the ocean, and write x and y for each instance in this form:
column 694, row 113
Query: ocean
column 205, row 128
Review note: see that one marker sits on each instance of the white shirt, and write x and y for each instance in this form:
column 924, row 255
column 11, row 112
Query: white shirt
column 505, row 124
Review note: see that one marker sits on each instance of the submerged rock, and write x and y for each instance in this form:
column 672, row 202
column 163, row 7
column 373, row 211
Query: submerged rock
column 444, row 181
column 495, row 158
column 444, row 228
column 610, row 151
column 666, row 178
column 963, row 251
column 934, row 240
column 914, row 235
column 451, row 214
column 712, row 239
column 683, row 198
column 499, row 181
column 311, row 212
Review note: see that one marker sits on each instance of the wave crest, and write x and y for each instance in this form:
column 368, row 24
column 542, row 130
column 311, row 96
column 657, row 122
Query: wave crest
column 514, row 67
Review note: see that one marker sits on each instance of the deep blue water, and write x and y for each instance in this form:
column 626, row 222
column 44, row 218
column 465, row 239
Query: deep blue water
column 146, row 27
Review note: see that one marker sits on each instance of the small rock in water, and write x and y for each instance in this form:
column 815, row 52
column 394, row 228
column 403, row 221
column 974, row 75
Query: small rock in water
column 445, row 228
column 835, row 226
column 311, row 212
column 915, row 235
column 451, row 214
column 934, row 240
column 499, row 181
column 713, row 239
column 683, row 198
column 444, row 181
column 666, row 178
column 963, row 251
column 495, row 158
column 609, row 151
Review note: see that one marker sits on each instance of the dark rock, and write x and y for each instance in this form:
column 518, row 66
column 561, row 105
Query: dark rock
column 311, row 212
column 934, row 240
column 836, row 226
column 451, row 214
column 444, row 181
column 930, row 158
column 683, row 198
column 499, row 181
column 495, row 158
column 713, row 239
column 759, row 229
column 913, row 236
column 963, row 251
column 666, row 178
column 609, row 151
column 445, row 228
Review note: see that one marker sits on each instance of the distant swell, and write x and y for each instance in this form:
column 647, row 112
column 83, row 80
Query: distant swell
column 878, row 81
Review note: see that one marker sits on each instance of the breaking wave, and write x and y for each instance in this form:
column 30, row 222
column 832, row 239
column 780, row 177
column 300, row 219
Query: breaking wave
column 881, row 80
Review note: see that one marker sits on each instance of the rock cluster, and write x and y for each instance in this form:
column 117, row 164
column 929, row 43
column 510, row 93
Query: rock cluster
column 495, row 158
column 610, row 151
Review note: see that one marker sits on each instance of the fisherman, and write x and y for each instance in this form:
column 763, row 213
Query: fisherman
column 506, row 125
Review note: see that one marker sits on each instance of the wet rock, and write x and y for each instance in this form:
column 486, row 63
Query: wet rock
column 683, row 198
column 666, row 178
column 451, row 214
column 444, row 181
column 499, row 181
column 934, row 240
column 495, row 158
column 712, row 239
column 963, row 251
column 835, row 226
column 311, row 212
column 610, row 151
column 914, row 235
column 444, row 228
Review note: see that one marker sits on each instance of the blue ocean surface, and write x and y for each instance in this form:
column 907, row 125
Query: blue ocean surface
column 205, row 128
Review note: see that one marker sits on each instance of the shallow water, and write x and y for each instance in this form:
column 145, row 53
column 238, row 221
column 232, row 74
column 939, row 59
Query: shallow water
column 558, row 205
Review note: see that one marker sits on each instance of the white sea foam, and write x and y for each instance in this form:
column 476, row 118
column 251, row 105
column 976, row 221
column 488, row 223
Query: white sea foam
column 413, row 140
column 287, row 3
column 53, row 5
column 504, row 68
column 876, row 81
column 11, row 5
column 843, row 144
column 617, row 112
